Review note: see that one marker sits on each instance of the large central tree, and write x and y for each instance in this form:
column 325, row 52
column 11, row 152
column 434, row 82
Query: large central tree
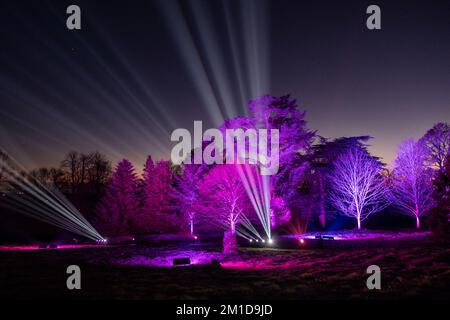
column 223, row 200
column 281, row 113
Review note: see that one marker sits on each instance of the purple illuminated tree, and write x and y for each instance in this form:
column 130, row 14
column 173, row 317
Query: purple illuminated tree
column 412, row 188
column 280, row 113
column 358, row 188
column 185, row 193
column 119, row 203
column 223, row 200
column 315, row 182
column 437, row 140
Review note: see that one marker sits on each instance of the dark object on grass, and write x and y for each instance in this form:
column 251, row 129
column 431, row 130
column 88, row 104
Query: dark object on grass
column 328, row 237
column 53, row 246
column 215, row 263
column 181, row 261
column 42, row 246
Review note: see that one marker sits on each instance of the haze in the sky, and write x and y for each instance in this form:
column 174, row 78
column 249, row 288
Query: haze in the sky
column 136, row 72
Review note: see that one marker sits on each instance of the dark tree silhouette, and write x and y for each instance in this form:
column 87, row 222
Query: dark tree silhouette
column 437, row 139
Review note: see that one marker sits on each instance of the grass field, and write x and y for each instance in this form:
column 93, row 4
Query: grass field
column 418, row 270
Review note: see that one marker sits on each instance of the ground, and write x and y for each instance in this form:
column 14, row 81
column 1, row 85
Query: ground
column 412, row 269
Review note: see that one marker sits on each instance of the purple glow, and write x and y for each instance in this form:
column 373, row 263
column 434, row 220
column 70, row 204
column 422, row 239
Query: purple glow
column 60, row 247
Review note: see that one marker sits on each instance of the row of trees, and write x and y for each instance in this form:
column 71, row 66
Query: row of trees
column 318, row 178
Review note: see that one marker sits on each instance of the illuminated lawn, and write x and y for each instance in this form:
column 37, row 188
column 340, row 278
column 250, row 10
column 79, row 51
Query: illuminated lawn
column 420, row 270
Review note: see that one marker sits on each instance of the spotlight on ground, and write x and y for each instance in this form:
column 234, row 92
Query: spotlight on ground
column 195, row 237
column 263, row 241
column 181, row 261
column 102, row 241
column 302, row 241
column 251, row 240
column 270, row 241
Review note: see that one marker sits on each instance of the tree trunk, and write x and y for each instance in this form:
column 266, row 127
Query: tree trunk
column 359, row 221
column 229, row 243
column 417, row 222
column 192, row 226
column 322, row 217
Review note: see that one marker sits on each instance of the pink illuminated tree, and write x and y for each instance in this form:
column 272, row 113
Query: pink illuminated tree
column 412, row 186
column 119, row 203
column 223, row 200
column 358, row 188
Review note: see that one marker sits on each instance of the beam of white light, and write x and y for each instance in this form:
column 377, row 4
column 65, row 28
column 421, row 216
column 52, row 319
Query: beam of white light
column 256, row 44
column 254, row 194
column 83, row 81
column 257, row 190
column 267, row 194
column 237, row 60
column 58, row 119
column 215, row 61
column 180, row 31
column 248, row 225
column 41, row 203
column 251, row 193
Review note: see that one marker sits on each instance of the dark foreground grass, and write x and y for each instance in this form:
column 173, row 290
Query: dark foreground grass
column 408, row 271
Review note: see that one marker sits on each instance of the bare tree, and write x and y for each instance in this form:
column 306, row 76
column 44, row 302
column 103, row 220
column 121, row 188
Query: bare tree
column 358, row 188
column 412, row 185
column 71, row 165
column 98, row 171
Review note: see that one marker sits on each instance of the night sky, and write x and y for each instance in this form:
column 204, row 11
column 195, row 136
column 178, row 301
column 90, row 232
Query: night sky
column 140, row 69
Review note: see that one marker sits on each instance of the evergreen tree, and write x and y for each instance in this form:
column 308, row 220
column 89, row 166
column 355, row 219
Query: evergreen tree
column 119, row 204
column 157, row 214
column 440, row 215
